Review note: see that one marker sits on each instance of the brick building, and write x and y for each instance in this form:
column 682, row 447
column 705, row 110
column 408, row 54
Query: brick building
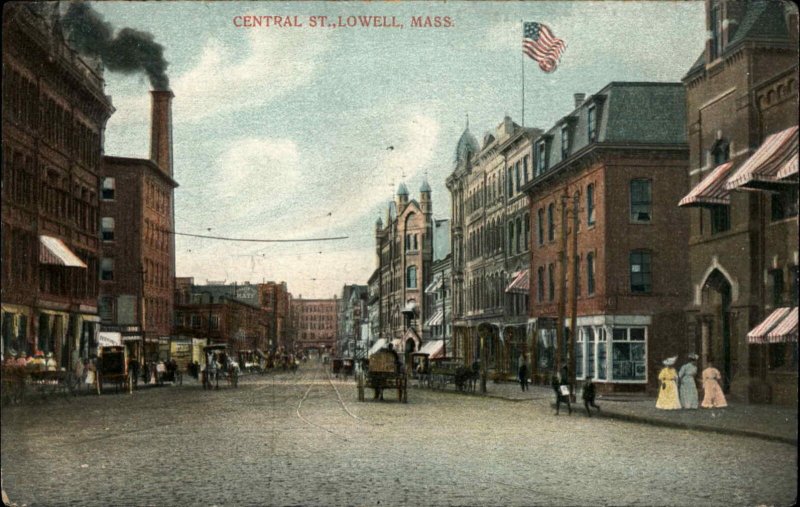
column 742, row 101
column 315, row 323
column 54, row 116
column 275, row 300
column 218, row 318
column 352, row 314
column 137, row 268
column 607, row 177
column 490, row 232
column 404, row 251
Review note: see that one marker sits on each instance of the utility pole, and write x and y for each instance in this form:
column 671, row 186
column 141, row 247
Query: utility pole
column 573, row 279
column 562, row 284
column 142, row 272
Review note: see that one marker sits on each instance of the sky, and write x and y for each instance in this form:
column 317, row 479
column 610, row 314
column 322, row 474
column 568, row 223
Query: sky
column 284, row 132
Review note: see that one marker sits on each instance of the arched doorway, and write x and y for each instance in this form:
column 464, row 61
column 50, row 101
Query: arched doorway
column 716, row 334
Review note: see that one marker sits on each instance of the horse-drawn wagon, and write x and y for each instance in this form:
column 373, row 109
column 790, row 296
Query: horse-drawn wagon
column 384, row 371
column 219, row 365
column 112, row 368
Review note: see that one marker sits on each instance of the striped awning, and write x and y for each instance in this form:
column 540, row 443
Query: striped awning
column 54, row 251
column 759, row 334
column 711, row 190
column 789, row 169
column 786, row 330
column 762, row 168
column 436, row 319
column 433, row 348
column 434, row 286
column 521, row 283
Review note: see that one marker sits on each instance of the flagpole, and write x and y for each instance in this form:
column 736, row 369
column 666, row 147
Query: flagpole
column 522, row 66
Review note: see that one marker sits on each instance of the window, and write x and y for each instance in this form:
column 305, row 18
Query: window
column 525, row 163
column 194, row 321
column 106, row 269
column 720, row 219
column 540, row 220
column 551, row 224
column 510, row 182
column 411, row 277
column 527, row 231
column 590, row 204
column 776, row 281
column 590, row 273
column 793, row 280
column 541, row 158
column 784, row 203
column 517, row 175
column 107, row 228
column 628, row 353
column 641, row 200
column 107, row 192
column 591, row 121
column 564, row 142
column 540, row 288
column 641, row 276
column 519, row 235
column 511, row 237
column 551, row 282
column 106, row 309
column 214, row 322
column 721, row 152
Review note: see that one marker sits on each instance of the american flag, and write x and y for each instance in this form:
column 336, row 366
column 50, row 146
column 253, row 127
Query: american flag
column 539, row 43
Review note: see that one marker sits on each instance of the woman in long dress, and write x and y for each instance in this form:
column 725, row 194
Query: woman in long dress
column 688, row 387
column 668, row 390
column 713, row 397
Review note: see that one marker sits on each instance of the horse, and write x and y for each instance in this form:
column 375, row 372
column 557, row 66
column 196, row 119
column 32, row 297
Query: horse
column 466, row 378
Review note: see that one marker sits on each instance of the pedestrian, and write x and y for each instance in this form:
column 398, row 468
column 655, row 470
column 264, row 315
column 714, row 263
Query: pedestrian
column 668, row 389
column 588, row 395
column 523, row 372
column 687, row 383
column 561, row 388
column 713, row 397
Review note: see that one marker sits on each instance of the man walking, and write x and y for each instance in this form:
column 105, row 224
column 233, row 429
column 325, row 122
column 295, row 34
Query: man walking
column 523, row 372
column 588, row 395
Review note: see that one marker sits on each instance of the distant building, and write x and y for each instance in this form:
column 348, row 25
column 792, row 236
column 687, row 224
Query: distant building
column 54, row 116
column 602, row 199
column 208, row 313
column 137, row 268
column 438, row 327
column 315, row 324
column 275, row 300
column 404, row 252
column 352, row 314
column 490, row 236
column 742, row 100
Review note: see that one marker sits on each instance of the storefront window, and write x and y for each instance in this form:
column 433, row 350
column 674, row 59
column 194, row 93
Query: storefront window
column 546, row 349
column 579, row 355
column 590, row 356
column 628, row 354
column 601, row 361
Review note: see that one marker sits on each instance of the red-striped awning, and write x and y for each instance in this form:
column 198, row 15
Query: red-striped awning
column 711, row 190
column 786, row 331
column 521, row 283
column 54, row 251
column 762, row 168
column 759, row 333
column 789, row 168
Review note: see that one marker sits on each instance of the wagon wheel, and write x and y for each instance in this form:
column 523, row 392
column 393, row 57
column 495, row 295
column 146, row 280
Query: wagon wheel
column 98, row 382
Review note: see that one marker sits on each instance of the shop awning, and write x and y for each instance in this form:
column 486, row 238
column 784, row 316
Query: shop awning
column 759, row 333
column 378, row 345
column 434, row 286
column 761, row 169
column 54, row 251
column 521, row 283
column 711, row 190
column 789, row 169
column 434, row 349
column 786, row 330
column 436, row 319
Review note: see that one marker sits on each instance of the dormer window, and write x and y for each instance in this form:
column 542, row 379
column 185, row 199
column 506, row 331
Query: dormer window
column 541, row 158
column 592, row 123
column 564, row 142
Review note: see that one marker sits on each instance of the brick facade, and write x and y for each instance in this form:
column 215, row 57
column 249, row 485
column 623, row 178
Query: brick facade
column 315, row 323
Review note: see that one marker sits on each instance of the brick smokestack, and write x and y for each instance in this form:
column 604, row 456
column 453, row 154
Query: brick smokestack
column 161, row 130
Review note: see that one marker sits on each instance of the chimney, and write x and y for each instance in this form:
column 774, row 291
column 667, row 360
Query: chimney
column 579, row 99
column 161, row 130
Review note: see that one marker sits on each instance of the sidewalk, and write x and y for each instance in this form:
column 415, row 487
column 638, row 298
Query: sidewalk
column 768, row 422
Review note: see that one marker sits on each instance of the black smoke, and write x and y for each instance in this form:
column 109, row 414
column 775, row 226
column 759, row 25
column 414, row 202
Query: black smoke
column 128, row 52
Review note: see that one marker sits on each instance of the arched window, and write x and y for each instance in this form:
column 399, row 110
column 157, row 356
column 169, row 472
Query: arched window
column 551, row 282
column 541, row 284
column 411, row 277
column 590, row 204
column 590, row 273
column 551, row 224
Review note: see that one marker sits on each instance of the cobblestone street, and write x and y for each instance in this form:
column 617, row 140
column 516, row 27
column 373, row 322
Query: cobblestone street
column 303, row 439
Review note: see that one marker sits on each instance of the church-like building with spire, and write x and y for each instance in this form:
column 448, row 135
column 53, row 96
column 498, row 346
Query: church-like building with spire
column 404, row 254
